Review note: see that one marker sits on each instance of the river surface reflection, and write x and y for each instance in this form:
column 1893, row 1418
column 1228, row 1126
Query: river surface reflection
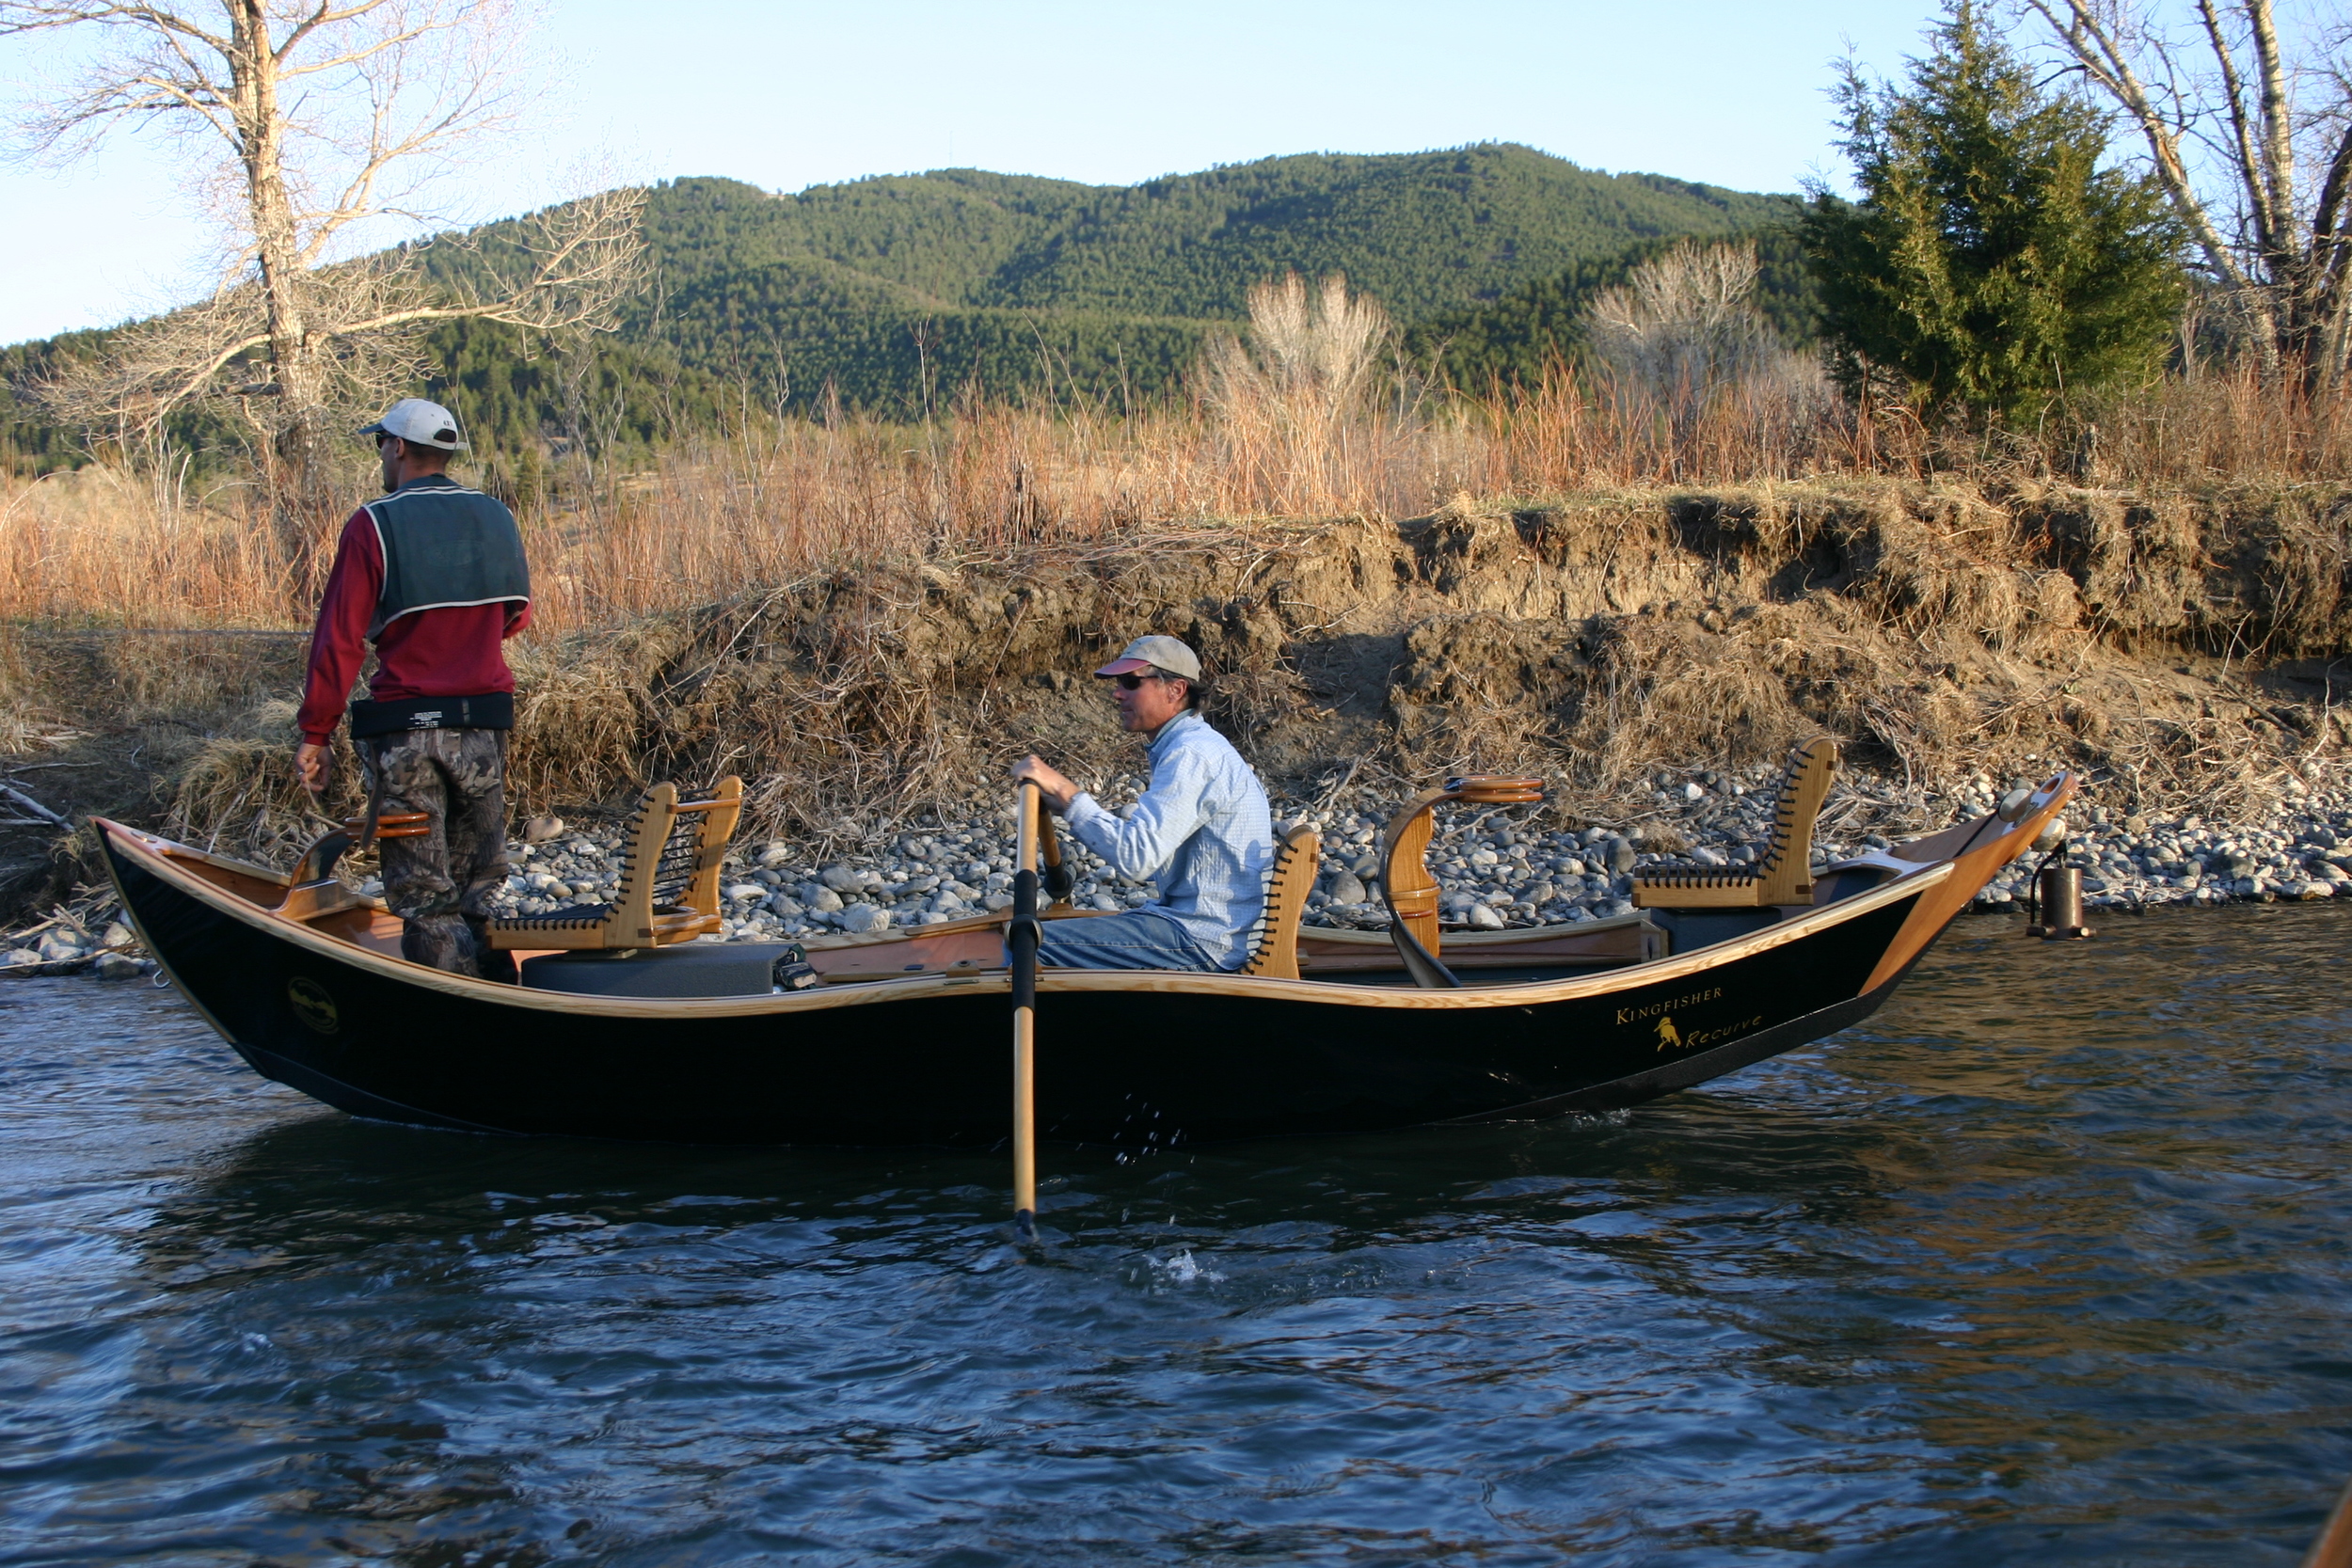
column 2044, row 1263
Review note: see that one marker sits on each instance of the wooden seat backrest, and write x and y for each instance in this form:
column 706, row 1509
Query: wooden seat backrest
column 717, row 813
column 675, row 852
column 1406, row 883
column 672, row 856
column 1785, row 874
column 1286, row 889
column 646, row 835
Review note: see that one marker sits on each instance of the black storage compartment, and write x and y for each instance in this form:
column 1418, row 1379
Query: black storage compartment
column 689, row 968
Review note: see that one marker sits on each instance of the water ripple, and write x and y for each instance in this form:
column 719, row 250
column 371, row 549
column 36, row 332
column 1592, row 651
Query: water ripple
column 2048, row 1261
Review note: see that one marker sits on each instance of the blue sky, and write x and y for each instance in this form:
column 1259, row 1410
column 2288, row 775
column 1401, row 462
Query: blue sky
column 787, row 95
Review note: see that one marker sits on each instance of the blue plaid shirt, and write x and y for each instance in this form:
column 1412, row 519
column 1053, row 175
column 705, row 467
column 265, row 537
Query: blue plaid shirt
column 1203, row 830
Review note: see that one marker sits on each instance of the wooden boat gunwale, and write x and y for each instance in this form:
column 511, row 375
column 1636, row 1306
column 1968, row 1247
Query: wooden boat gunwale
column 1906, row 877
column 865, row 991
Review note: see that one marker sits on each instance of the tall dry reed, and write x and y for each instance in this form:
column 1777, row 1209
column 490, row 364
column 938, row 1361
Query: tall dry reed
column 708, row 518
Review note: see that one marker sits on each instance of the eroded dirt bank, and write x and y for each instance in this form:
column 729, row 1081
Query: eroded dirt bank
column 2178, row 649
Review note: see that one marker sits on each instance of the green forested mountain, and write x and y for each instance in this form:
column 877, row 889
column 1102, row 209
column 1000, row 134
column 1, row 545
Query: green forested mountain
column 899, row 293
column 1421, row 231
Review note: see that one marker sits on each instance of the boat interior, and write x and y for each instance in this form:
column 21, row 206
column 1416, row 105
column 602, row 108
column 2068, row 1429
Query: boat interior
column 657, row 939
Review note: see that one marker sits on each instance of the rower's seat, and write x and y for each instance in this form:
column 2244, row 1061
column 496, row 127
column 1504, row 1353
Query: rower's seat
column 668, row 889
column 1287, row 888
column 1406, row 886
column 1784, row 876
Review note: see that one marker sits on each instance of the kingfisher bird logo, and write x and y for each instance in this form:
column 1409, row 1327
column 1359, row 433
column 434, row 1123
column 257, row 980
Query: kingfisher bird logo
column 1668, row 1034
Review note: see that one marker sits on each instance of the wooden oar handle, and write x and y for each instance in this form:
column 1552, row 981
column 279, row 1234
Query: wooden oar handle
column 394, row 824
column 1026, row 826
column 1495, row 789
column 1055, row 878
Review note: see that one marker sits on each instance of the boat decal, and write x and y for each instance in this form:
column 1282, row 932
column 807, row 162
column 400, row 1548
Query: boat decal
column 314, row 1005
column 1651, row 1009
column 1671, row 1039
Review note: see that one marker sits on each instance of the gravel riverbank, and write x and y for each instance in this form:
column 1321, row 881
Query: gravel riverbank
column 1495, row 869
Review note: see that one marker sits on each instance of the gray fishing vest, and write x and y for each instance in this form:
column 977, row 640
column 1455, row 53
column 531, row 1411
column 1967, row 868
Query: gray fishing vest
column 445, row 546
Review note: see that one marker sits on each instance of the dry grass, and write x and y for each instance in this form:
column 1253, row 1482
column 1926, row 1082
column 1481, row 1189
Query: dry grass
column 774, row 505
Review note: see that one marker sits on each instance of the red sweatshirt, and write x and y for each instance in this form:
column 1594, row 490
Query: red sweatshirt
column 431, row 653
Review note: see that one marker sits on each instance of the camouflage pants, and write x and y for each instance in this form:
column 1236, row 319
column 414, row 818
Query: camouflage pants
column 437, row 882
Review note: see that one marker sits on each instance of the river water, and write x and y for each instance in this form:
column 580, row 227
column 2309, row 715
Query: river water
column 2046, row 1263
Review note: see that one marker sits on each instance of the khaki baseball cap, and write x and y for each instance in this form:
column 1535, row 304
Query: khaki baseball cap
column 418, row 424
column 1146, row 652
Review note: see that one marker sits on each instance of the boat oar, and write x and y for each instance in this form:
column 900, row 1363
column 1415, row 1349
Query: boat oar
column 1022, row 940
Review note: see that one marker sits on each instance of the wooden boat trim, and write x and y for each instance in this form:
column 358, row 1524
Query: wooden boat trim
column 151, row 854
column 1972, row 865
column 1631, row 976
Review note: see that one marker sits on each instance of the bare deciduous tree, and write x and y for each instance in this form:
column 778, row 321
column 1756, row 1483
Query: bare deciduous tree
column 319, row 117
column 1682, row 333
column 1686, row 318
column 2220, row 115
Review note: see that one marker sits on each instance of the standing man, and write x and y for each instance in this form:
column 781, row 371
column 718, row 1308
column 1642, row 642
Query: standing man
column 1202, row 830
column 433, row 576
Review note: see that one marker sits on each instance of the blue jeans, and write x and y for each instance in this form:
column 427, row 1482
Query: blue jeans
column 1139, row 939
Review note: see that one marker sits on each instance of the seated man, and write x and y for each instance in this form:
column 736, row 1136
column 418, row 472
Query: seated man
column 1202, row 830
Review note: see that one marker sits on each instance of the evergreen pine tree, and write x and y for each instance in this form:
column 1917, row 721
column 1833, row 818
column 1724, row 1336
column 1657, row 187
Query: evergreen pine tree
column 1991, row 262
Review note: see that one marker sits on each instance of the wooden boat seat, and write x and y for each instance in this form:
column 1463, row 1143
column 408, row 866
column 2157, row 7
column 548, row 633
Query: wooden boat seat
column 312, row 889
column 668, row 889
column 1784, row 876
column 1287, row 888
column 1406, row 886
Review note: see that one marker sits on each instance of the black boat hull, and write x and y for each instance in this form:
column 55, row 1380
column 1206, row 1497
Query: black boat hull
column 1155, row 1061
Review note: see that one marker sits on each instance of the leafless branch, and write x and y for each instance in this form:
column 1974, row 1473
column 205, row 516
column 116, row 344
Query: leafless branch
column 322, row 117
column 2281, row 264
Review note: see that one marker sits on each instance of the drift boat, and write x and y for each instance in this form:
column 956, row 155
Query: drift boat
column 624, row 1027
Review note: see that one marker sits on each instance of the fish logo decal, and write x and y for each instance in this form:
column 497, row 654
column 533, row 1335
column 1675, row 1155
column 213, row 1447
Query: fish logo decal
column 1668, row 1034
column 312, row 1004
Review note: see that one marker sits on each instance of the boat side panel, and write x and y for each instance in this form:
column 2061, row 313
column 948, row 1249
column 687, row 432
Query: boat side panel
column 1132, row 1067
column 187, row 938
column 1265, row 1069
column 1636, row 1088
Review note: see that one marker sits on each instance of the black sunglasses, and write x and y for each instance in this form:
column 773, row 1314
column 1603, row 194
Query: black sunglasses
column 1128, row 683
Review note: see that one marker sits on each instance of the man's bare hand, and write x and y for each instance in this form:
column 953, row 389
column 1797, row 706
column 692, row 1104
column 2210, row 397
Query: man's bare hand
column 311, row 766
column 1058, row 791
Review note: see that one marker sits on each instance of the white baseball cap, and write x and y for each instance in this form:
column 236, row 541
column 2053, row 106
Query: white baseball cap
column 418, row 424
column 1145, row 651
